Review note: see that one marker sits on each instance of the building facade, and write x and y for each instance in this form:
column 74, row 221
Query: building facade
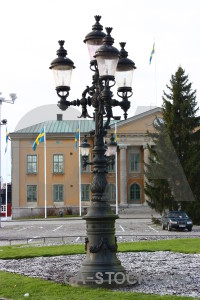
column 62, row 165
column 5, row 201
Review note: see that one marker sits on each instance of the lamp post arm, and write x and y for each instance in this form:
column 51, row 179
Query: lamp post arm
column 114, row 102
column 110, row 160
column 84, row 102
column 86, row 162
column 13, row 97
column 6, row 101
column 89, row 163
column 63, row 103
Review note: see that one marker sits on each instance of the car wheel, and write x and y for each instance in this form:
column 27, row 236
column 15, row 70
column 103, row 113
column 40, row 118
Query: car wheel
column 189, row 229
column 169, row 228
column 163, row 227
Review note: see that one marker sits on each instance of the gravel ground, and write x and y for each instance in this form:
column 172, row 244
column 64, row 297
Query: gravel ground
column 161, row 272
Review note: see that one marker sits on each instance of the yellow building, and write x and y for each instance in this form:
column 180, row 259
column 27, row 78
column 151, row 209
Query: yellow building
column 62, row 167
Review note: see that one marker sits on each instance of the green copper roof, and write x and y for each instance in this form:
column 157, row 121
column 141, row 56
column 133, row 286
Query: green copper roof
column 64, row 126
column 70, row 126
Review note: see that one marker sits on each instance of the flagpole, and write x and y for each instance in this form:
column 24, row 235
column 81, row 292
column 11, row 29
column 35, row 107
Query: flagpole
column 155, row 79
column 79, row 162
column 45, row 175
column 116, row 177
column 6, row 201
column 0, row 165
column 6, row 148
column 155, row 76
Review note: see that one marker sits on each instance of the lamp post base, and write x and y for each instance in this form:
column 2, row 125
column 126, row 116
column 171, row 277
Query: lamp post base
column 101, row 266
column 111, row 280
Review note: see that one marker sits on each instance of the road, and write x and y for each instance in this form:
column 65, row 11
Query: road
column 126, row 230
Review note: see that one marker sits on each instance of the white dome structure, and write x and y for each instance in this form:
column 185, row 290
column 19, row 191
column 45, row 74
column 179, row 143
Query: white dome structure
column 46, row 113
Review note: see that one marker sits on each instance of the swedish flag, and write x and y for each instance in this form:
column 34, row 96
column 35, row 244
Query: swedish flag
column 152, row 52
column 39, row 139
column 115, row 136
column 6, row 140
column 76, row 138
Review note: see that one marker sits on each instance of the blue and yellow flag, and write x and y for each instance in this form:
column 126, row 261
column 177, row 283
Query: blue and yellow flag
column 39, row 139
column 76, row 138
column 152, row 52
column 6, row 140
column 115, row 136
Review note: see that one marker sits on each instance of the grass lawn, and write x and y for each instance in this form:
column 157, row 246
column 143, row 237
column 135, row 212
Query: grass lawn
column 13, row 286
column 176, row 245
column 48, row 217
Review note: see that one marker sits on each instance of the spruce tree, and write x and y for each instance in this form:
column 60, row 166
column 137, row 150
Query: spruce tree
column 173, row 172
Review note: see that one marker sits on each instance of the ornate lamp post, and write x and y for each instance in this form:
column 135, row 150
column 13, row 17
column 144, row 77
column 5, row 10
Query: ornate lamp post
column 105, row 60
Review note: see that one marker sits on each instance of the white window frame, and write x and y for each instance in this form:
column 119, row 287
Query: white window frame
column 27, row 172
column 58, row 163
column 3, row 208
column 59, row 201
column 32, row 201
column 85, row 184
column 129, row 161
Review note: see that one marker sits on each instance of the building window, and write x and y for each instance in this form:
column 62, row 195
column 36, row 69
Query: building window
column 111, row 168
column 135, row 192
column 85, row 192
column 58, row 163
column 112, row 192
column 31, row 193
column 134, row 161
column 3, row 208
column 58, row 193
column 87, row 168
column 31, row 164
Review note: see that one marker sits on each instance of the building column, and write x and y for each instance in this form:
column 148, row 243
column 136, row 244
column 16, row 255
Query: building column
column 146, row 160
column 15, row 178
column 123, row 176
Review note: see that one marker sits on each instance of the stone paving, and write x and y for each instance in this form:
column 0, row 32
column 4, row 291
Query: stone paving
column 75, row 229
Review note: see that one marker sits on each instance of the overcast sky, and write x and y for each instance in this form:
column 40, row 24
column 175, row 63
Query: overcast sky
column 30, row 31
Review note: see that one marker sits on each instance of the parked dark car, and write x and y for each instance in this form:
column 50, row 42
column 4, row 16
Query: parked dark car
column 176, row 220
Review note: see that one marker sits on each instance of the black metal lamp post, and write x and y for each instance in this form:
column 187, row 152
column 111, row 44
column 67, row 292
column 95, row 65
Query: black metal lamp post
column 105, row 60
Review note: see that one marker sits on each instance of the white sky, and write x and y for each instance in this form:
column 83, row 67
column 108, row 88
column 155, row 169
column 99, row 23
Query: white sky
column 30, row 31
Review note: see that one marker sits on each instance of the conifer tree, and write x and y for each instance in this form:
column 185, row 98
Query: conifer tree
column 173, row 172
